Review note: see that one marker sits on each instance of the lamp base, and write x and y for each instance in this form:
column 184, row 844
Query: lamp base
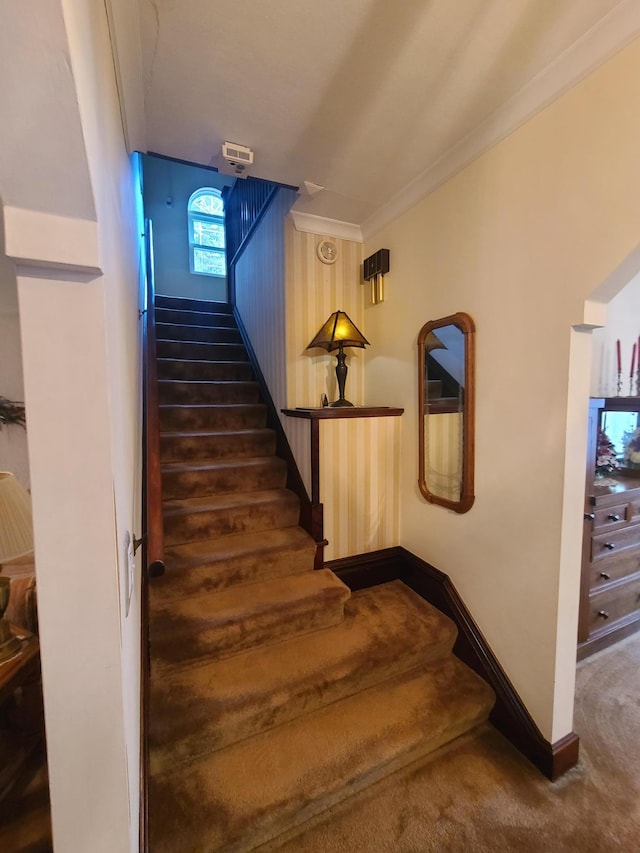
column 9, row 644
column 341, row 404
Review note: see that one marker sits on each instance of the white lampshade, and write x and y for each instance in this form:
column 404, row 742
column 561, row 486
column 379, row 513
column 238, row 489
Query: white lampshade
column 16, row 525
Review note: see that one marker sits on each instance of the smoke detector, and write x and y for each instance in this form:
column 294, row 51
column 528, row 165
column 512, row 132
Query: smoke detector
column 239, row 157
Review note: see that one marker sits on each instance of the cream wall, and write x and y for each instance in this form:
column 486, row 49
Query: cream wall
column 623, row 324
column 260, row 295
column 519, row 239
column 78, row 275
column 13, row 440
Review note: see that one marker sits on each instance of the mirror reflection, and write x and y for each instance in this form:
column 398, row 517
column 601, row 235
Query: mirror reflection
column 445, row 350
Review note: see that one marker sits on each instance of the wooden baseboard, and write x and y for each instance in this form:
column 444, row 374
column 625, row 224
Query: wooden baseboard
column 365, row 570
column 509, row 715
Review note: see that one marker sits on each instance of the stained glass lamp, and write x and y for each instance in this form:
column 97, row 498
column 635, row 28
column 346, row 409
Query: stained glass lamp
column 339, row 332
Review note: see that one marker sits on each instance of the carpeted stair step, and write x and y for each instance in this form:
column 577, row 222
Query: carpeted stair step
column 387, row 630
column 181, row 303
column 200, row 351
column 204, row 371
column 211, row 445
column 236, row 416
column 206, row 517
column 203, row 334
column 245, row 558
column 252, row 791
column 221, row 624
column 177, row 391
column 194, row 318
column 218, row 478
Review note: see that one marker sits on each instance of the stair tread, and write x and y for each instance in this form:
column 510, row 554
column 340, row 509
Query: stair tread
column 206, row 565
column 225, row 623
column 386, row 630
column 225, row 605
column 203, row 503
column 226, row 547
column 206, row 432
column 192, row 382
column 181, row 302
column 190, row 361
column 225, row 462
column 251, row 791
column 233, row 406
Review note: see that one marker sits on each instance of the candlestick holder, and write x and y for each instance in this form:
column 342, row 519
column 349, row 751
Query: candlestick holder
column 631, row 381
column 619, row 384
column 638, row 381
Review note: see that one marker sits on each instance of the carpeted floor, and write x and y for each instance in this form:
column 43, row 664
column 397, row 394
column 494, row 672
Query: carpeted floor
column 481, row 795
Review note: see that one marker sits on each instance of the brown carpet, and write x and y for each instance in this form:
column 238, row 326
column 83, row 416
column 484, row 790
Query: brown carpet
column 481, row 795
column 274, row 693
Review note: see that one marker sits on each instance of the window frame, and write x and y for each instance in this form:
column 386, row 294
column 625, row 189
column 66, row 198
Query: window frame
column 209, row 218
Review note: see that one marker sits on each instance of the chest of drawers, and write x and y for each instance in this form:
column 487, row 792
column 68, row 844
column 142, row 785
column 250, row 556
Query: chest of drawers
column 610, row 590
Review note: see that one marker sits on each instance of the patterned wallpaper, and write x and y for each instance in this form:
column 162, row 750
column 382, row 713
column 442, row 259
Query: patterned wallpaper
column 284, row 294
column 359, row 458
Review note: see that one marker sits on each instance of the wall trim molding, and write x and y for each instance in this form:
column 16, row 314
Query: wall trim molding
column 509, row 715
column 610, row 35
column 312, row 224
column 36, row 240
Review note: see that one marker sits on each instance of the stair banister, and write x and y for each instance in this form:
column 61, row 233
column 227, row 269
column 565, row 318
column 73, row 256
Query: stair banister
column 152, row 481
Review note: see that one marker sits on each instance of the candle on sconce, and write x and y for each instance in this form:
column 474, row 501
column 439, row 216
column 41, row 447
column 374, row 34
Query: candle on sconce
column 619, row 356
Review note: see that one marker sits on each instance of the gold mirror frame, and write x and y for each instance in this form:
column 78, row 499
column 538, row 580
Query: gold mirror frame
column 466, row 325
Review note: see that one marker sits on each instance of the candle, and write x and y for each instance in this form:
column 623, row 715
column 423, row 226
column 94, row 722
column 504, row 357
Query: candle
column 633, row 361
column 619, row 358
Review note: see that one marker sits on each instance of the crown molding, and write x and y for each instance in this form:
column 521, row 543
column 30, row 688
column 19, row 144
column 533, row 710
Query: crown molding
column 610, row 35
column 312, row 224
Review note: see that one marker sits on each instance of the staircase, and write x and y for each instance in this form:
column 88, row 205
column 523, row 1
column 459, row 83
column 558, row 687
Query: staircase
column 274, row 691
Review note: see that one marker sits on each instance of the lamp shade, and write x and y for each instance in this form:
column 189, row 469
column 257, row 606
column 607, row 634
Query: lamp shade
column 16, row 525
column 339, row 329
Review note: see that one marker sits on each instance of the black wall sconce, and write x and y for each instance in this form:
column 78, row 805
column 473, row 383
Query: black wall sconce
column 375, row 267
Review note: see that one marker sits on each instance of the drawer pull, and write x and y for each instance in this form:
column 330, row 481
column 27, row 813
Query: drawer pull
column 589, row 516
column 613, row 517
column 609, row 546
column 605, row 576
column 603, row 614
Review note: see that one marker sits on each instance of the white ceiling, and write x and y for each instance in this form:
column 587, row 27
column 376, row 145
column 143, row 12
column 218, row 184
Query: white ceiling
column 376, row 101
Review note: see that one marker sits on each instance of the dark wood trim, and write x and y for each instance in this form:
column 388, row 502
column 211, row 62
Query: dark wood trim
column 327, row 413
column 564, row 755
column 144, row 714
column 311, row 515
column 152, row 534
column 509, row 715
column 364, row 570
column 467, row 496
column 152, row 539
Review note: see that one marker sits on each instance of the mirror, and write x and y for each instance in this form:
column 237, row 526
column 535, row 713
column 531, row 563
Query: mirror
column 446, row 360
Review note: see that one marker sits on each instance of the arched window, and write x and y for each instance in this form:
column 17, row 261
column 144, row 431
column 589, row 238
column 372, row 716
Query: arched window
column 206, row 233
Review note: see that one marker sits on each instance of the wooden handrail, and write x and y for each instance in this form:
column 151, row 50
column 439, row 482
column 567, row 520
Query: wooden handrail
column 152, row 481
